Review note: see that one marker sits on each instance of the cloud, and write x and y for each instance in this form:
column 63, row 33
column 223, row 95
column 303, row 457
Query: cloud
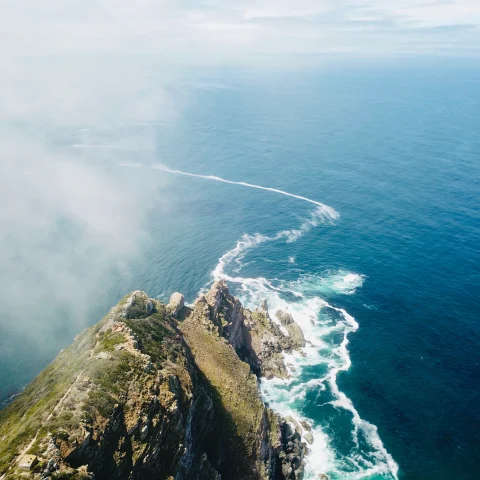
column 216, row 31
column 71, row 222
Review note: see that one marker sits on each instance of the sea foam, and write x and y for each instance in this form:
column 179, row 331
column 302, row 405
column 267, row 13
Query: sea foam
column 326, row 329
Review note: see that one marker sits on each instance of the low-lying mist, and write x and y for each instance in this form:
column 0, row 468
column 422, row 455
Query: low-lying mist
column 71, row 221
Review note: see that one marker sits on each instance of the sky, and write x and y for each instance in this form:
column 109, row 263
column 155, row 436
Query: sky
column 209, row 31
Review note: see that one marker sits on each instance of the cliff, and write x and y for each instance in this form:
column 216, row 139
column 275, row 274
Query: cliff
column 158, row 391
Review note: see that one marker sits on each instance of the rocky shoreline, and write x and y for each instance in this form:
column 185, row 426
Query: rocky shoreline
column 161, row 391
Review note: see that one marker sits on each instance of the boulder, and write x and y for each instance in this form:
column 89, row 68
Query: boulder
column 177, row 302
column 308, row 437
column 296, row 338
column 284, row 317
column 306, row 426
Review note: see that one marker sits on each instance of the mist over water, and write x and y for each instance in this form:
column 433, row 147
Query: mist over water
column 390, row 276
column 70, row 221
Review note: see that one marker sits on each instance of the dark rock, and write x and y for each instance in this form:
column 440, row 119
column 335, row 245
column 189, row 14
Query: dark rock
column 264, row 305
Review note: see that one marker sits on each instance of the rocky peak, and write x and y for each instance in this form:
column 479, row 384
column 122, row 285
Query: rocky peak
column 218, row 293
column 143, row 395
column 264, row 306
column 227, row 313
column 296, row 339
column 136, row 305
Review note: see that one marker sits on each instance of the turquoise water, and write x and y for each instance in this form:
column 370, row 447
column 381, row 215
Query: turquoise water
column 388, row 270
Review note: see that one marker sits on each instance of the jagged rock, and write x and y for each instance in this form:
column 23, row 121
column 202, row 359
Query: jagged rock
column 144, row 396
column 295, row 334
column 284, row 317
column 295, row 450
column 306, row 426
column 308, row 437
column 136, row 305
column 264, row 305
column 227, row 314
column 177, row 302
column 323, row 476
column 300, row 472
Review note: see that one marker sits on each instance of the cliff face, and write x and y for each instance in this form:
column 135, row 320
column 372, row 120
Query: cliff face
column 158, row 392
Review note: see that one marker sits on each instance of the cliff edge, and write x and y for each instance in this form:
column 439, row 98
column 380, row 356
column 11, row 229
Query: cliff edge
column 158, row 391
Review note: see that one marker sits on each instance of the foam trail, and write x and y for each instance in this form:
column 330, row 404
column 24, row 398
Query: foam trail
column 328, row 211
column 358, row 454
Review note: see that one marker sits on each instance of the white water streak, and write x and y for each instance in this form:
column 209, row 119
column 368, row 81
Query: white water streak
column 329, row 211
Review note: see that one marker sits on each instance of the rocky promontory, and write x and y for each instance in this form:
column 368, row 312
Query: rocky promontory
column 158, row 391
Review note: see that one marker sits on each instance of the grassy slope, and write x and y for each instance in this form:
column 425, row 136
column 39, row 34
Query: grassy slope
column 234, row 386
column 231, row 383
column 21, row 420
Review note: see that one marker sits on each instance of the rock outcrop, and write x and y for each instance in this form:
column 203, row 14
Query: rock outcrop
column 177, row 302
column 296, row 338
column 159, row 391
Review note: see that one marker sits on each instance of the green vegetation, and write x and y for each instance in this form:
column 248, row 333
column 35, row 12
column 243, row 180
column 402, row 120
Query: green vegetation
column 261, row 322
column 157, row 338
column 26, row 417
column 105, row 369
column 109, row 342
column 234, row 385
column 137, row 308
column 111, row 374
column 21, row 420
column 101, row 401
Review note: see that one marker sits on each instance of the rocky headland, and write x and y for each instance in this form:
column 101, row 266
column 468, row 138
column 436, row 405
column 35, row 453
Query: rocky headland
column 157, row 391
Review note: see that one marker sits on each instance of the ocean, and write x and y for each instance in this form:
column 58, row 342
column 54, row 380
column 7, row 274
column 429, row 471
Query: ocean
column 349, row 196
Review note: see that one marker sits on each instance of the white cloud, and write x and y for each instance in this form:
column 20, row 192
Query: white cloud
column 69, row 216
column 216, row 31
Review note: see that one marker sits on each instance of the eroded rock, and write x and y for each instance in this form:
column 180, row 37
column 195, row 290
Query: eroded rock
column 176, row 303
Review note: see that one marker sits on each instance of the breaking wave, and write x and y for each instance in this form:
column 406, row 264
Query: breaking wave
column 312, row 394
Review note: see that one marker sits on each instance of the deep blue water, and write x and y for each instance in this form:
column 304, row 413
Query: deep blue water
column 395, row 150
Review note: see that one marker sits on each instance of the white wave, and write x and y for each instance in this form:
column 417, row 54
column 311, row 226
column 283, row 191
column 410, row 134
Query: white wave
column 248, row 242
column 326, row 329
column 327, row 211
column 330, row 282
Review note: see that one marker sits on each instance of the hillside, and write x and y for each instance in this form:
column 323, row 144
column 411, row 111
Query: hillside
column 158, row 391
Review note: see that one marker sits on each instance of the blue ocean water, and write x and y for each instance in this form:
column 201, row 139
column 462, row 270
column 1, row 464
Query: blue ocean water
column 388, row 273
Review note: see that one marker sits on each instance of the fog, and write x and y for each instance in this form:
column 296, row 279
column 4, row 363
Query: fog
column 72, row 223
